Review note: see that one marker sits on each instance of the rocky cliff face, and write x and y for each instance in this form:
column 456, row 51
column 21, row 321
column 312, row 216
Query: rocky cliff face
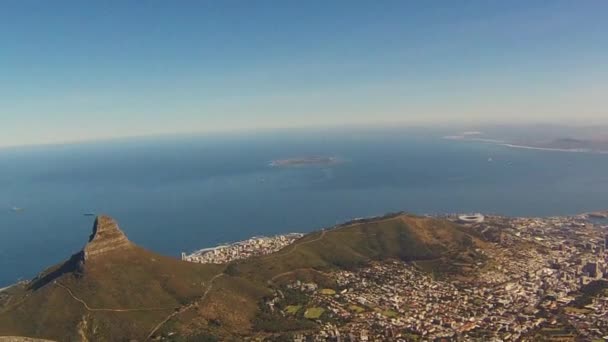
column 106, row 237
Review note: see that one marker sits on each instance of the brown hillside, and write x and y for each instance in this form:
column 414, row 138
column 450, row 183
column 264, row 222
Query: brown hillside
column 114, row 290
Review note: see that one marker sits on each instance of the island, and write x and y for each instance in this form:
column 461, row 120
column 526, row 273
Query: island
column 304, row 161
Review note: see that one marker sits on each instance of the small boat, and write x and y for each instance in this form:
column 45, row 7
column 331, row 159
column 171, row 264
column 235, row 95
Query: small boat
column 16, row 209
column 89, row 214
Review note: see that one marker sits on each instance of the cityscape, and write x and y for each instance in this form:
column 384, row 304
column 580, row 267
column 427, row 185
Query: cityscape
column 533, row 282
column 255, row 246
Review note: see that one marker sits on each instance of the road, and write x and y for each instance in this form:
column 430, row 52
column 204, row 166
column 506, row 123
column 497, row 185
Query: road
column 184, row 308
column 179, row 310
column 176, row 310
column 210, row 287
column 296, row 270
column 295, row 247
column 323, row 233
column 86, row 306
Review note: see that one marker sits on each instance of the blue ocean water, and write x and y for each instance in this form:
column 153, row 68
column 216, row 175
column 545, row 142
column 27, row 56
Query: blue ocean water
column 184, row 193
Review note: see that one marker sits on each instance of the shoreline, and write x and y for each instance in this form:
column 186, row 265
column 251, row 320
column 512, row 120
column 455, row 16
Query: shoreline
column 586, row 215
column 8, row 287
column 241, row 242
column 599, row 214
column 553, row 149
column 254, row 246
column 523, row 147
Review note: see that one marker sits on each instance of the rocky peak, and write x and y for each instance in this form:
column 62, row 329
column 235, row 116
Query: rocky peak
column 106, row 237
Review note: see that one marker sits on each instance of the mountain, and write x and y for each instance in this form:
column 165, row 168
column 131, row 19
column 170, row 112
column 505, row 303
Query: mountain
column 114, row 290
column 397, row 236
column 110, row 288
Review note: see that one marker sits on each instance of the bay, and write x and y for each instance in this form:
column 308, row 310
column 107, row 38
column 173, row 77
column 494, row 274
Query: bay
column 174, row 194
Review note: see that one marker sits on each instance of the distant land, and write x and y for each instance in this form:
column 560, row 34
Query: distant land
column 304, row 161
column 562, row 144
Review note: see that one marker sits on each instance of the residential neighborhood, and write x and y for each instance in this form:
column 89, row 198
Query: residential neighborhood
column 532, row 283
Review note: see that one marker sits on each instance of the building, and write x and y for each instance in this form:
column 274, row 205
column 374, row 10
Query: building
column 470, row 219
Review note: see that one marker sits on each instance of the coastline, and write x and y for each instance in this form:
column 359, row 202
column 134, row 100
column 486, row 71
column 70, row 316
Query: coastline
column 571, row 150
column 551, row 149
column 524, row 147
column 241, row 242
column 7, row 287
column 254, row 246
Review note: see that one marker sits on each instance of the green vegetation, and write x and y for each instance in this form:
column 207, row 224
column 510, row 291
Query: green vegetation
column 293, row 309
column 294, row 297
column 556, row 332
column 328, row 292
column 578, row 311
column 404, row 237
column 356, row 308
column 408, row 336
column 589, row 291
column 275, row 324
column 389, row 313
column 314, row 312
column 271, row 322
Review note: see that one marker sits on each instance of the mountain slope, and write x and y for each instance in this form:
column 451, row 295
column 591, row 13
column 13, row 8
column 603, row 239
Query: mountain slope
column 436, row 242
column 114, row 290
column 400, row 236
column 111, row 288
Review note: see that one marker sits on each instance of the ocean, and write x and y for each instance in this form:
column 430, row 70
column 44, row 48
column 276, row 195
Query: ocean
column 175, row 194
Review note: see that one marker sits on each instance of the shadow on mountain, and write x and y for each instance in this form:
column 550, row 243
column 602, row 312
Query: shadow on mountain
column 72, row 265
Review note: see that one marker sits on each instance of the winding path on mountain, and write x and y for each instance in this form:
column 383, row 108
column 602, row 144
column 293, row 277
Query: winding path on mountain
column 184, row 308
column 86, row 306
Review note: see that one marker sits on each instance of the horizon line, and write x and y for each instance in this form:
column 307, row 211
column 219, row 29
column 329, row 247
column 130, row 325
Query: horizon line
column 269, row 129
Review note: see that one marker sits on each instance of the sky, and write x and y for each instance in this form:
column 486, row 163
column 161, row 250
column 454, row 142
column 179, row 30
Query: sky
column 84, row 70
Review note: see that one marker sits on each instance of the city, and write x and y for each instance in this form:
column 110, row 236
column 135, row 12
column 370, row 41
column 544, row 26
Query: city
column 260, row 245
column 534, row 283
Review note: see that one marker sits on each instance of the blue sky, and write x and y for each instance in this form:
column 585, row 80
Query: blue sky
column 80, row 70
